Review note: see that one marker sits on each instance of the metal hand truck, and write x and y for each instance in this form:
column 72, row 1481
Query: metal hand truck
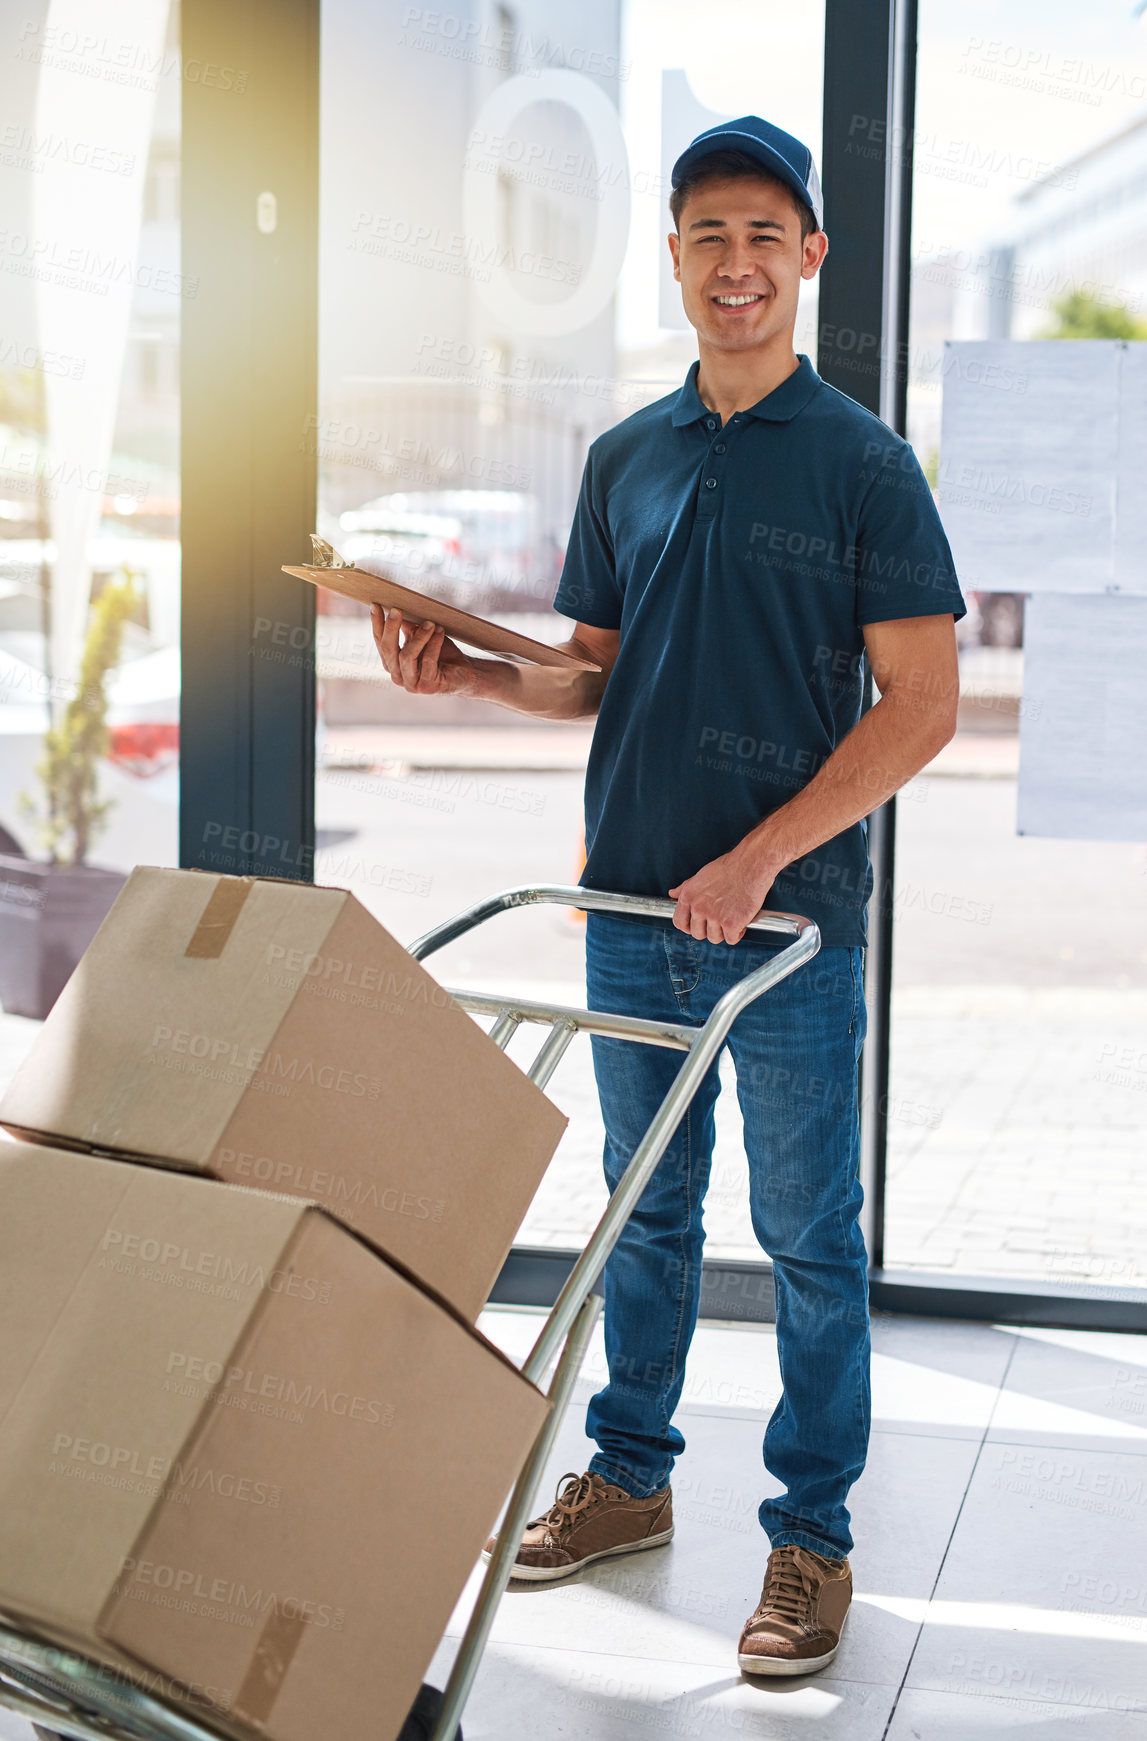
column 64, row 1693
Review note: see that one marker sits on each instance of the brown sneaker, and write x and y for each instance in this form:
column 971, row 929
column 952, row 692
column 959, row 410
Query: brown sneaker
column 795, row 1629
column 589, row 1520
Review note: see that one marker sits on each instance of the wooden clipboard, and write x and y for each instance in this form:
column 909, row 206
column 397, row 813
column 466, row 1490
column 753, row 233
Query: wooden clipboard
column 418, row 607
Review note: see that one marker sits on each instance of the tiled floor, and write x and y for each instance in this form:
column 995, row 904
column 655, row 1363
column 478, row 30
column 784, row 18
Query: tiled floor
column 1000, row 1573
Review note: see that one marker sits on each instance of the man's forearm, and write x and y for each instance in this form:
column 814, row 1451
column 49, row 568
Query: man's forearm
column 546, row 691
column 892, row 742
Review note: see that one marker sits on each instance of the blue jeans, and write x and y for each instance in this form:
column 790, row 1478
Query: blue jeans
column 795, row 1052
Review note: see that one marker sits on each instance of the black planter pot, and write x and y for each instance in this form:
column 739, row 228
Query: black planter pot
column 49, row 913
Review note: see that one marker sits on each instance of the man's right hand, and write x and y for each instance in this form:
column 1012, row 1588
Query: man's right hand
column 420, row 659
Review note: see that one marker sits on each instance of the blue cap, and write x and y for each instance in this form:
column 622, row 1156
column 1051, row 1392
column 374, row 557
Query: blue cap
column 775, row 150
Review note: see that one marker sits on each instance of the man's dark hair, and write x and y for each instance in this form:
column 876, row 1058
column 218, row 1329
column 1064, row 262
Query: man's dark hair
column 733, row 164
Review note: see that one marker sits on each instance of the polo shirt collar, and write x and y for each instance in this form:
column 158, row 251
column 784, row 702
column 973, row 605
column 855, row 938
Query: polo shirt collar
column 778, row 406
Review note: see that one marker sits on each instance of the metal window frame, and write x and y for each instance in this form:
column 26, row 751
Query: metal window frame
column 249, row 367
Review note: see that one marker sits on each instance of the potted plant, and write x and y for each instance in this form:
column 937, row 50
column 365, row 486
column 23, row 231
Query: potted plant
column 51, row 909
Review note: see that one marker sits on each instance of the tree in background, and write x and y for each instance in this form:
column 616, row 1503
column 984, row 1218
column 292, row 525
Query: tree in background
column 73, row 750
column 1081, row 315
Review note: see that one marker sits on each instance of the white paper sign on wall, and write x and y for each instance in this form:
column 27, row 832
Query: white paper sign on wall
column 1083, row 721
column 1043, row 464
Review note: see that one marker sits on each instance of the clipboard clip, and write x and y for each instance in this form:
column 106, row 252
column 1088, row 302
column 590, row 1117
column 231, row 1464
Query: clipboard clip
column 325, row 555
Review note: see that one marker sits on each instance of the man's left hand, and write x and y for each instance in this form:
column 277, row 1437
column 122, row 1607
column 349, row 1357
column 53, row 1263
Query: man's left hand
column 718, row 902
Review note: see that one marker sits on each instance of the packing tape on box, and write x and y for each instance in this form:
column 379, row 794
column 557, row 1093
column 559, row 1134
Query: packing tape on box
column 209, row 939
column 268, row 1667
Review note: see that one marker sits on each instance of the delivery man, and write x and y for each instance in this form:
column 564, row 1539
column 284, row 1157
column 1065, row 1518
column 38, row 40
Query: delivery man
column 738, row 549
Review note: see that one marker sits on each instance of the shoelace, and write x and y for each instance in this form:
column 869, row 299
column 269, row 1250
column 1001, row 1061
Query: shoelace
column 789, row 1585
column 575, row 1493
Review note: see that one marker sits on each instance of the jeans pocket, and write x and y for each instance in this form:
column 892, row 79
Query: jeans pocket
column 681, row 959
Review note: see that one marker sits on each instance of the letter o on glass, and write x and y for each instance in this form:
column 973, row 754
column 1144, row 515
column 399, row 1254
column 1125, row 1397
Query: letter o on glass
column 480, row 204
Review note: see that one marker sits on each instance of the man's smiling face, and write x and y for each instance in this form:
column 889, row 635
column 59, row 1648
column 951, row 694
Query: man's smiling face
column 739, row 259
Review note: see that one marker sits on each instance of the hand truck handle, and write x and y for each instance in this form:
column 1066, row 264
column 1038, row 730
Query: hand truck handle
column 781, row 925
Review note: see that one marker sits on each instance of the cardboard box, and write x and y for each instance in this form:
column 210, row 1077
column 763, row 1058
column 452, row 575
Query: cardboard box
column 238, row 1448
column 274, row 1034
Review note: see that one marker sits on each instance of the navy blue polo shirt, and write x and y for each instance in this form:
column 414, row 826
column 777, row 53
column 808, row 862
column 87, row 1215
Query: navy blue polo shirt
column 741, row 565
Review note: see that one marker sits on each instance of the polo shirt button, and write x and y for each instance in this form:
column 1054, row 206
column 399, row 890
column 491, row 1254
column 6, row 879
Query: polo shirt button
column 710, row 423
column 720, row 447
column 710, row 483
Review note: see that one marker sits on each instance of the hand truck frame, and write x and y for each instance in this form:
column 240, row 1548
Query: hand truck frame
column 68, row 1694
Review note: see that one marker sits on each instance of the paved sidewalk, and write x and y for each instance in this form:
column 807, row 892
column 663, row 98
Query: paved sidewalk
column 1018, row 1133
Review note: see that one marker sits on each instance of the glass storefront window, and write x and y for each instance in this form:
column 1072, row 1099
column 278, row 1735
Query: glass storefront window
column 1018, row 1094
column 494, row 294
column 90, row 297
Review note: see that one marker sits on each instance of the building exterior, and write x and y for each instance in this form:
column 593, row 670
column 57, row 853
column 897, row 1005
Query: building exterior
column 1081, row 227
